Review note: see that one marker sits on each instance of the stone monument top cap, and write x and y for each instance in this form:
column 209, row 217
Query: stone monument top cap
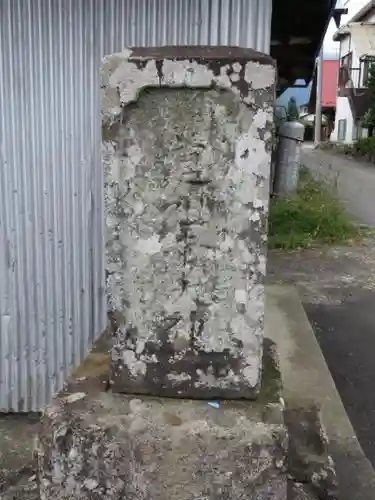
column 201, row 52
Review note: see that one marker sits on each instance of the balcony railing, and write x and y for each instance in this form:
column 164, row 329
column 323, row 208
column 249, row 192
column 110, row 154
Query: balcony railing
column 356, row 78
column 352, row 77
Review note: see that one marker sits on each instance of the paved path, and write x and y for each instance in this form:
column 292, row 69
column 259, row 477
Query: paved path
column 337, row 288
column 355, row 182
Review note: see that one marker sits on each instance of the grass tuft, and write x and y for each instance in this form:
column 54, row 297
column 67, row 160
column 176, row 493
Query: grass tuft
column 313, row 215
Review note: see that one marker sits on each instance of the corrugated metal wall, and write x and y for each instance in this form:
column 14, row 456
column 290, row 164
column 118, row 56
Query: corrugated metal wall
column 52, row 303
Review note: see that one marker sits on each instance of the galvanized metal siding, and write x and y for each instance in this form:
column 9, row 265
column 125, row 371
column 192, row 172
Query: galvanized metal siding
column 51, row 265
column 245, row 23
column 51, row 229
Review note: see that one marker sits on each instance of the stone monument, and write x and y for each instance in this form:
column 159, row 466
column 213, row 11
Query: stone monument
column 187, row 145
column 187, row 140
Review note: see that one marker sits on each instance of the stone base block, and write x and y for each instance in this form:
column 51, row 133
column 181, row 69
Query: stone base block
column 310, row 465
column 99, row 445
column 118, row 447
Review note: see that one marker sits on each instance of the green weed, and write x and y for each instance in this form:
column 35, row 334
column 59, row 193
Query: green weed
column 313, row 215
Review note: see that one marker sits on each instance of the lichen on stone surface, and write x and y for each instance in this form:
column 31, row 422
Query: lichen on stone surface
column 186, row 193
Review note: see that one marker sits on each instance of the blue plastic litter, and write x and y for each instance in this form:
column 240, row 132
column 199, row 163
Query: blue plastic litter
column 214, row 404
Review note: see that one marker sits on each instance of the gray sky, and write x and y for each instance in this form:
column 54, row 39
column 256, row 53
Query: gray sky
column 331, row 48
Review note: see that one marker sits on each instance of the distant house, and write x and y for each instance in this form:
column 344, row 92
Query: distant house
column 357, row 54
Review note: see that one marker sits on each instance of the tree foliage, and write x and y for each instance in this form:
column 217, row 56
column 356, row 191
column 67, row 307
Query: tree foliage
column 369, row 119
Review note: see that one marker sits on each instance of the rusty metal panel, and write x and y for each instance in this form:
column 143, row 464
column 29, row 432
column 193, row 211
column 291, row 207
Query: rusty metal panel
column 52, row 303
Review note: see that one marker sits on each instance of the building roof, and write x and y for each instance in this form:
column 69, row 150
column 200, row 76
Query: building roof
column 358, row 17
column 298, row 30
column 363, row 13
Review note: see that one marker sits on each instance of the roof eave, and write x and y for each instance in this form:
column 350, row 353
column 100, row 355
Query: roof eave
column 366, row 9
column 341, row 34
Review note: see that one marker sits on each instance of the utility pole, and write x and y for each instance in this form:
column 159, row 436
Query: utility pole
column 318, row 105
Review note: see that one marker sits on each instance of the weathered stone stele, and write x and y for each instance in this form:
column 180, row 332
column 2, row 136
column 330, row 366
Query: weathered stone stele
column 186, row 136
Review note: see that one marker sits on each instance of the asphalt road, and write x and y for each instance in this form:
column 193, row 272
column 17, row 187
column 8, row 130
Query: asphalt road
column 354, row 181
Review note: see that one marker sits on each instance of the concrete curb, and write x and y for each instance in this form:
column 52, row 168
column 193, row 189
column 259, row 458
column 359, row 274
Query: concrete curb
column 307, row 379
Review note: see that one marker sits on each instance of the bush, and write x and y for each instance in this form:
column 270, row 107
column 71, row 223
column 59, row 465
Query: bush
column 312, row 215
column 365, row 146
column 337, row 147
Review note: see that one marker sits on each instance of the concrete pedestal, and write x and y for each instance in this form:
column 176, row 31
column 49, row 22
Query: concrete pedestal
column 99, row 445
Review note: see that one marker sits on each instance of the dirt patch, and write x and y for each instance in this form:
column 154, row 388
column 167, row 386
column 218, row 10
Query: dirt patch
column 17, row 465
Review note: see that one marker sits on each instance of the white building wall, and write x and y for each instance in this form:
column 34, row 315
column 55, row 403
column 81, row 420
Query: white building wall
column 343, row 112
column 345, row 46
